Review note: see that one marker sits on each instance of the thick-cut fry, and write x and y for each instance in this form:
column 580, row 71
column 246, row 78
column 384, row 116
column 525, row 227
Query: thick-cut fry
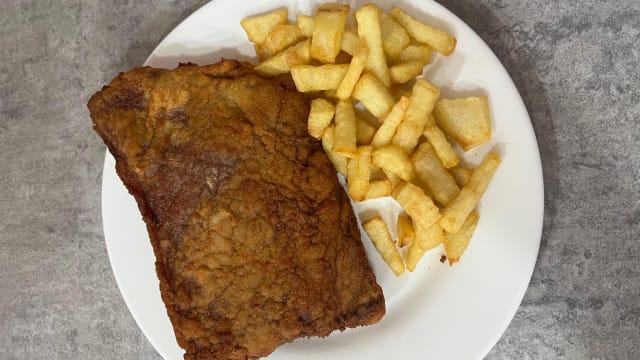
column 280, row 38
column 305, row 24
column 454, row 214
column 281, row 62
column 385, row 132
column 429, row 171
column 406, row 233
column 373, row 95
column 466, row 120
column 379, row 188
column 423, row 97
column 418, row 205
column 368, row 21
column 377, row 231
column 461, row 174
column 356, row 66
column 456, row 244
column 339, row 162
column 328, row 28
column 393, row 160
column 259, row 26
column 425, row 240
column 364, row 131
column 440, row 144
column 420, row 53
column 403, row 72
column 350, row 40
column 345, row 137
column 358, row 173
column 394, row 36
column 437, row 39
column 321, row 113
column 316, row 78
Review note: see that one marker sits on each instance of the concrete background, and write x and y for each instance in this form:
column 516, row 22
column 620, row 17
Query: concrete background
column 576, row 64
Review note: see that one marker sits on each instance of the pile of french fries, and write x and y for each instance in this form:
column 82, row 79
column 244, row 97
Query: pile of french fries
column 383, row 128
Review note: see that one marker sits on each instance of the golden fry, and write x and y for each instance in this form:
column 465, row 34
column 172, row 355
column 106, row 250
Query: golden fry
column 356, row 66
column 406, row 233
column 429, row 171
column 259, row 26
column 461, row 174
column 385, row 132
column 321, row 113
column 456, row 244
column 467, row 120
column 420, row 53
column 373, row 95
column 437, row 39
column 316, row 78
column 339, row 161
column 423, row 97
column 418, row 205
column 350, row 40
column 358, row 173
column 364, row 131
column 305, row 24
column 393, row 160
column 379, row 188
column 368, row 21
column 280, row 38
column 440, row 144
column 403, row 72
column 377, row 231
column 327, row 32
column 394, row 36
column 345, row 137
column 425, row 240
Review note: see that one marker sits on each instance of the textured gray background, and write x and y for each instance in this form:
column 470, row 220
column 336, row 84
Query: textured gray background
column 576, row 64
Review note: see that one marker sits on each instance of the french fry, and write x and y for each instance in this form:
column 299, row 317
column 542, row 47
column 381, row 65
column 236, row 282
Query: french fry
column 429, row 171
column 385, row 132
column 358, row 173
column 280, row 38
column 454, row 214
column 403, row 72
column 423, row 97
column 299, row 54
column 339, row 162
column 417, row 205
column 440, row 144
column 378, row 174
column 394, row 36
column 350, row 40
column 420, row 53
column 379, row 188
column 437, row 39
column 356, row 66
column 321, row 113
column 456, row 244
column 406, row 233
column 393, row 160
column 466, row 120
column 258, row 27
column 305, row 24
column 345, row 137
column 367, row 18
column 316, row 78
column 425, row 240
column 373, row 95
column 377, row 231
column 327, row 31
column 281, row 62
column 364, row 131
column 461, row 174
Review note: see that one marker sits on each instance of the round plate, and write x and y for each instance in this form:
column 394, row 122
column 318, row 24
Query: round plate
column 435, row 312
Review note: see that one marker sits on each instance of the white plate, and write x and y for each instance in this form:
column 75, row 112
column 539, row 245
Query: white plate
column 436, row 312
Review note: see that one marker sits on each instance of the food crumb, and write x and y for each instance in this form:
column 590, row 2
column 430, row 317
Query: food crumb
column 443, row 258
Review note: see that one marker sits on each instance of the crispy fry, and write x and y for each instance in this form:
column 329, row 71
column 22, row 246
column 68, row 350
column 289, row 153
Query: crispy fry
column 393, row 160
column 403, row 72
column 420, row 53
column 437, row 39
column 456, row 244
column 394, row 36
column 327, row 31
column 440, row 144
column 259, row 26
column 364, row 131
column 385, row 132
column 373, row 95
column 454, row 214
column 358, row 173
column 350, row 40
column 345, row 137
column 406, row 233
column 368, row 21
column 418, row 205
column 379, row 188
column 377, row 231
column 429, row 171
column 467, row 120
column 281, row 62
column 356, row 66
column 321, row 113
column 315, row 78
column 280, row 38
column 305, row 24
column 425, row 240
column 461, row 174
column 339, row 162
column 423, row 97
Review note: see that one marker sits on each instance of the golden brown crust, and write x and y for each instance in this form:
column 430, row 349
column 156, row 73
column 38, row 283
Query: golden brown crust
column 256, row 244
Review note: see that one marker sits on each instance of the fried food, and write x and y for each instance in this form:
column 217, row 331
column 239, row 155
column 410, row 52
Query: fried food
column 256, row 243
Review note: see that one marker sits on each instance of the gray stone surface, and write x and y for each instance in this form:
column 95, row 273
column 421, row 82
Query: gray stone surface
column 576, row 64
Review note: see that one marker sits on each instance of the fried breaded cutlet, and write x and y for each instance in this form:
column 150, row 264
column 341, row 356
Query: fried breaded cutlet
column 256, row 243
